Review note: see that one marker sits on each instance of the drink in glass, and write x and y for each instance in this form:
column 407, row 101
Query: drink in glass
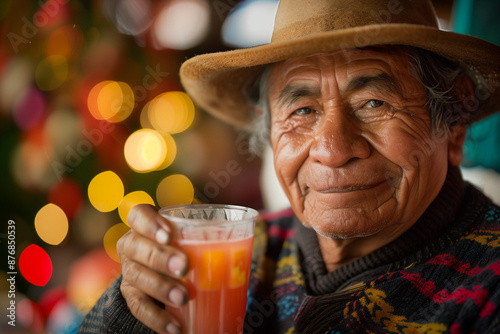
column 218, row 241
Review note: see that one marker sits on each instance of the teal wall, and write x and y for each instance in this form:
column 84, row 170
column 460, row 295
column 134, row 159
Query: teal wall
column 481, row 18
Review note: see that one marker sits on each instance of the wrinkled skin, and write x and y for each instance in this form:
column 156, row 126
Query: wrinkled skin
column 151, row 270
column 354, row 151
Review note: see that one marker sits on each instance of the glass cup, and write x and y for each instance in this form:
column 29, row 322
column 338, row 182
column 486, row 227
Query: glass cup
column 218, row 241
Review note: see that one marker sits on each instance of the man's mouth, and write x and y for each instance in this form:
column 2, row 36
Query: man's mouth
column 345, row 189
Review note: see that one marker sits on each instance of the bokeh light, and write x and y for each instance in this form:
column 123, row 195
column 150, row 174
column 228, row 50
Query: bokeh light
column 145, row 150
column 65, row 41
column 250, row 23
column 16, row 78
column 181, row 24
column 35, row 265
column 144, row 117
column 115, row 101
column 111, row 100
column 132, row 199
column 63, row 129
column 51, row 72
column 50, row 298
column 92, row 99
column 132, row 17
column 29, row 109
column 70, row 83
column 67, row 195
column 51, row 224
column 89, row 277
column 50, row 14
column 171, row 151
column 31, row 160
column 175, row 189
column 30, row 315
column 111, row 238
column 171, row 112
column 64, row 318
column 105, row 191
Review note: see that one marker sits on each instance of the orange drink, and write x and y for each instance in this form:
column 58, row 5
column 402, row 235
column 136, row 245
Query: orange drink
column 218, row 241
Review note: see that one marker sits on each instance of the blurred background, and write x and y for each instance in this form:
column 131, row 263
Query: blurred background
column 93, row 120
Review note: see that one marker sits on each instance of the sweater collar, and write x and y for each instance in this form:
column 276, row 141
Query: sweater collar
column 433, row 223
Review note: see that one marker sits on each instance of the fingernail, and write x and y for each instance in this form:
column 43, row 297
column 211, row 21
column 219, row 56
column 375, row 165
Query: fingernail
column 162, row 236
column 173, row 328
column 177, row 296
column 177, row 265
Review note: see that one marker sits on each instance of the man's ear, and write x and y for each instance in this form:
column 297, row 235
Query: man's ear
column 455, row 144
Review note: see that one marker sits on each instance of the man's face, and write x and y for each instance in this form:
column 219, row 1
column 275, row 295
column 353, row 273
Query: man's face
column 353, row 145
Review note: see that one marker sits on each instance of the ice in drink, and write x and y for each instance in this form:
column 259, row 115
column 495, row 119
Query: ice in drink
column 218, row 241
column 218, row 282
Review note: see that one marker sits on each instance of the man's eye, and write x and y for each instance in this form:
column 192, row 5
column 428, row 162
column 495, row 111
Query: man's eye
column 303, row 111
column 374, row 104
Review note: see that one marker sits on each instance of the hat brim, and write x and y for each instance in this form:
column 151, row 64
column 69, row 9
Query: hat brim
column 216, row 81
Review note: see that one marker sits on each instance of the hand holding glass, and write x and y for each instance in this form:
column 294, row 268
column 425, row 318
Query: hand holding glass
column 218, row 240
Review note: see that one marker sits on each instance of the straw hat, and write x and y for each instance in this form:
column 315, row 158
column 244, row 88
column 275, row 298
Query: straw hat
column 216, row 81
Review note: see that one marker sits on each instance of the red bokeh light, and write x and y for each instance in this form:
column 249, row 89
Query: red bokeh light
column 35, row 265
column 67, row 195
column 30, row 315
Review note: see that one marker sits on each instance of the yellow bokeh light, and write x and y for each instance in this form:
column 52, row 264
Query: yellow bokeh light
column 111, row 100
column 106, row 191
column 171, row 112
column 111, row 238
column 162, row 114
column 51, row 224
column 189, row 111
column 92, row 99
column 132, row 199
column 115, row 101
column 175, row 189
column 145, row 150
column 171, row 151
column 51, row 72
column 144, row 117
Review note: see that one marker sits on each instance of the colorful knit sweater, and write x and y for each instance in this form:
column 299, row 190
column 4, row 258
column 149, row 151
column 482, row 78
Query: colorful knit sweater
column 441, row 276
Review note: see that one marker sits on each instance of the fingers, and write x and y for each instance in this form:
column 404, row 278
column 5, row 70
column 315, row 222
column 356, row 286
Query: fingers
column 150, row 268
column 163, row 259
column 145, row 220
column 164, row 289
column 148, row 312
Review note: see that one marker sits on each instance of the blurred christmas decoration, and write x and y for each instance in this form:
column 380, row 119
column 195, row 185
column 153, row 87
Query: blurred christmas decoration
column 89, row 277
column 93, row 121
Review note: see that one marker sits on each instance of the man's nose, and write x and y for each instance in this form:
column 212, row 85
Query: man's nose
column 338, row 140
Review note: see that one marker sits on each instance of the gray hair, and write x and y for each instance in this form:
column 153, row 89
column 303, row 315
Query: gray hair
column 261, row 123
column 436, row 73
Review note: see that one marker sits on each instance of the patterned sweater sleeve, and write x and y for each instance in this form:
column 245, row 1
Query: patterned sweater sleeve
column 111, row 315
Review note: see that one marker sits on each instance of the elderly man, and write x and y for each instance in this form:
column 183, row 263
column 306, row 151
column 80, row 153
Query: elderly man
column 365, row 105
